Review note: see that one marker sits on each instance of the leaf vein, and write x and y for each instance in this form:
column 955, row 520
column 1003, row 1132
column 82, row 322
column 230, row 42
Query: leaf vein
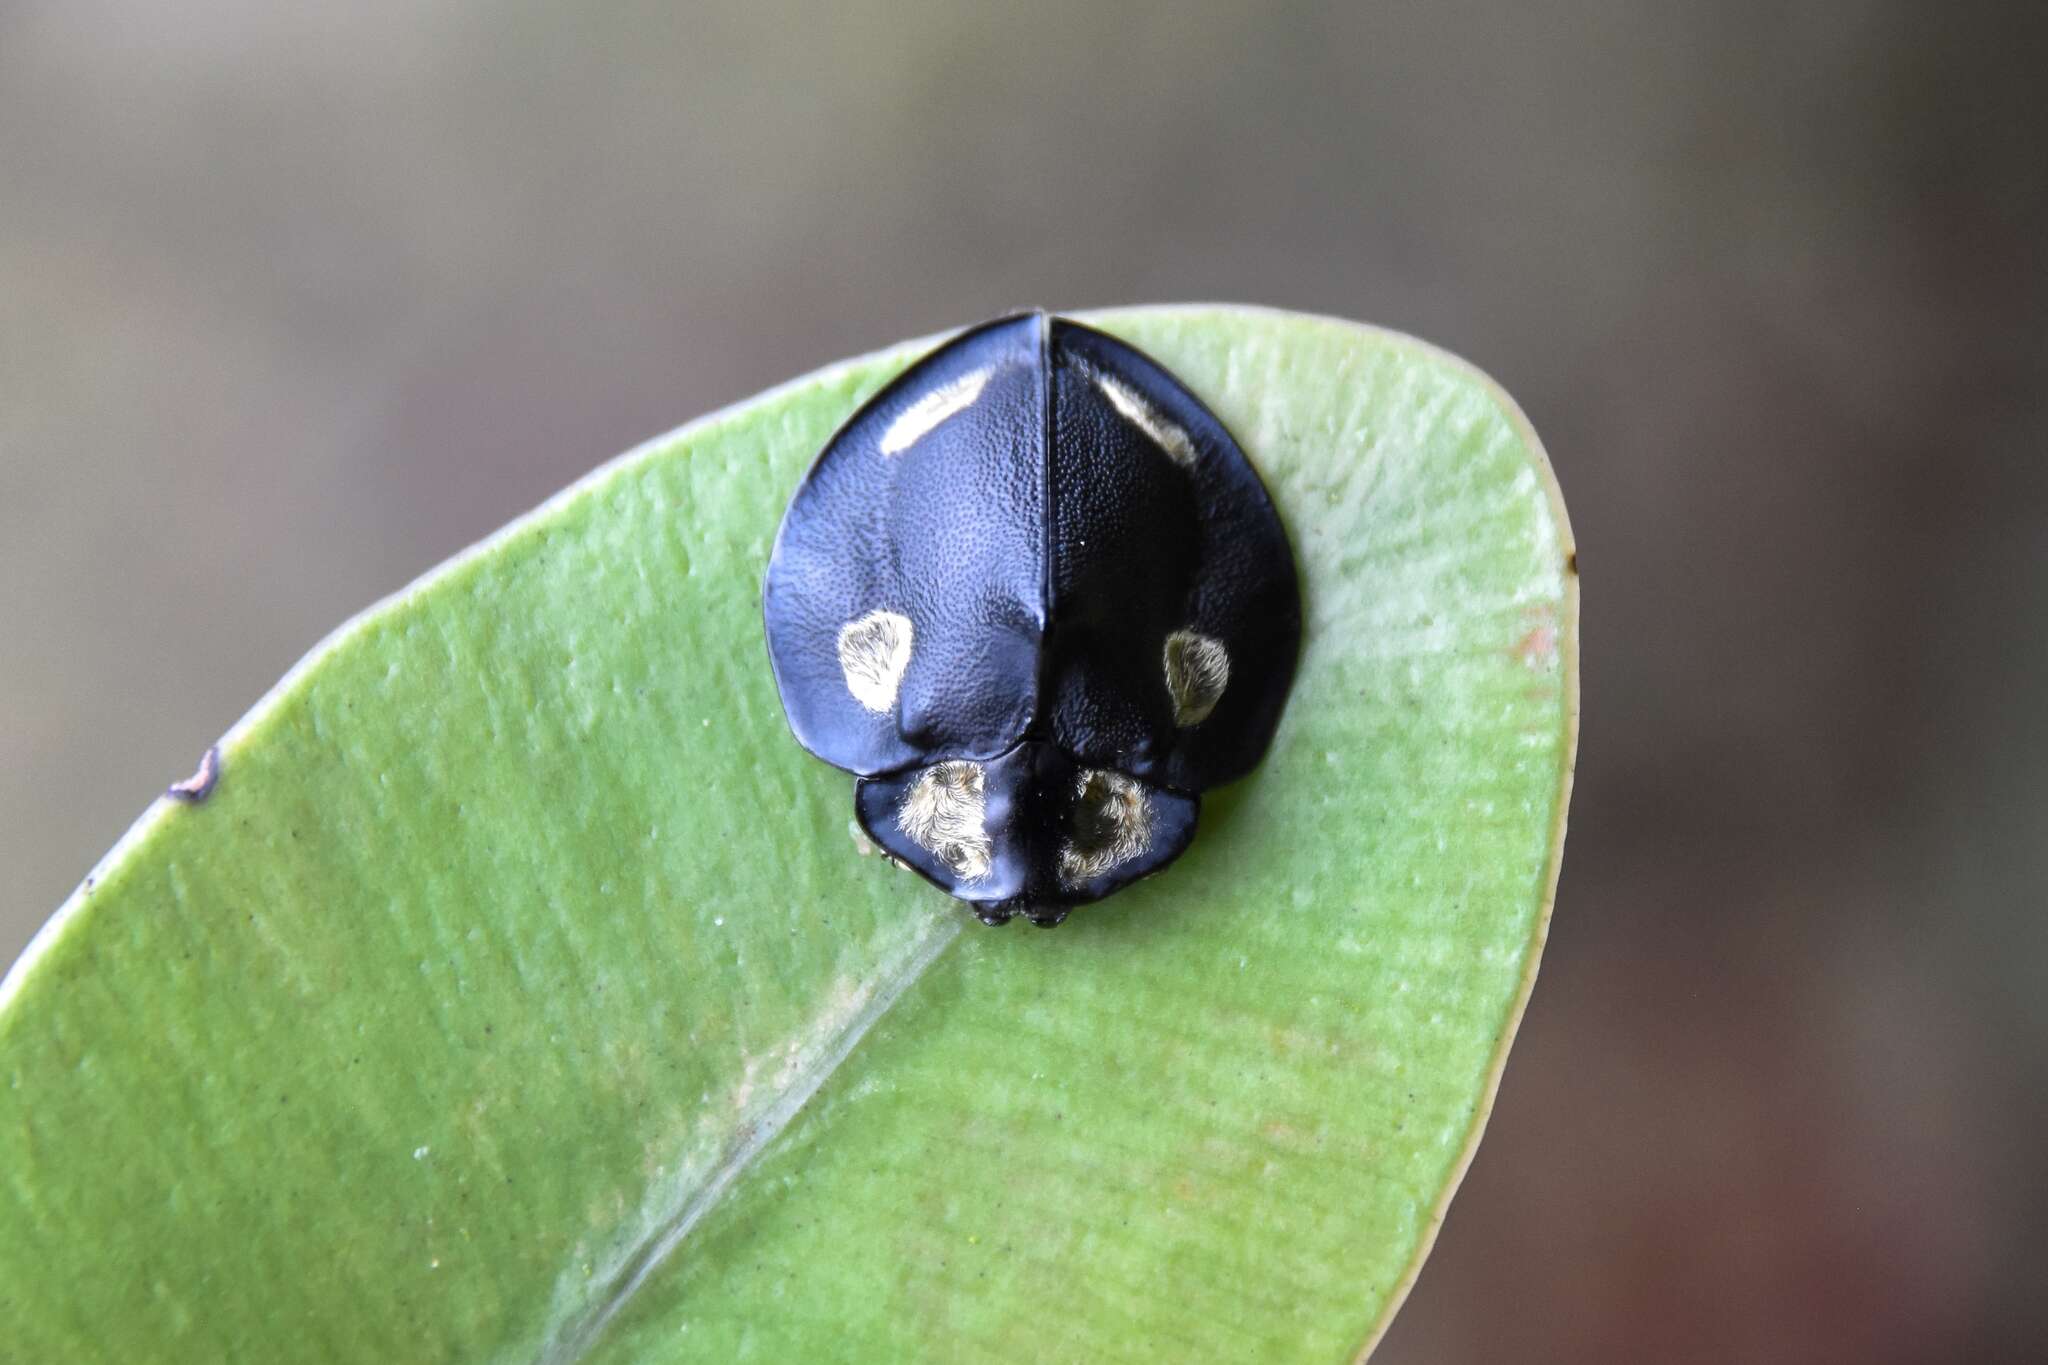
column 799, row 1081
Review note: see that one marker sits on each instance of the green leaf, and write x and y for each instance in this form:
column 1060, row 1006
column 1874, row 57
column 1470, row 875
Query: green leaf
column 521, row 990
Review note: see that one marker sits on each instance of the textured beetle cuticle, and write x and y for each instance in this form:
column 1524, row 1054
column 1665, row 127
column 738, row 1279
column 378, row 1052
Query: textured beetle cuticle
column 944, row 813
column 873, row 652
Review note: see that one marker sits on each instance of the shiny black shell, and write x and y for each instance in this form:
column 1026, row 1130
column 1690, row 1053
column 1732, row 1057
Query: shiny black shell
column 1036, row 598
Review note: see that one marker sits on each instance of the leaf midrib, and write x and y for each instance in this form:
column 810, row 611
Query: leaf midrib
column 810, row 1065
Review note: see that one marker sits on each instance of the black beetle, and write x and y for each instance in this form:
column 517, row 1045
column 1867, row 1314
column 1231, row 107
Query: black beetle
column 1036, row 598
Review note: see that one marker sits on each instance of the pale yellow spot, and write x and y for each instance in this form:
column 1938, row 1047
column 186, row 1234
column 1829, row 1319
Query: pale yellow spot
column 917, row 421
column 944, row 813
column 1197, row 671
column 1112, row 825
column 873, row 652
column 1167, row 435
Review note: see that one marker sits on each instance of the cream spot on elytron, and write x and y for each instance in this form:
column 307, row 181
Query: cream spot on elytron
column 1197, row 671
column 949, row 399
column 1168, row 436
column 873, row 652
column 944, row 814
column 1112, row 825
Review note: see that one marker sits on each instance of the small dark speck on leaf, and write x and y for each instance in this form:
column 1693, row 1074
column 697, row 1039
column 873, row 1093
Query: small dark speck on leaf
column 199, row 786
column 1571, row 563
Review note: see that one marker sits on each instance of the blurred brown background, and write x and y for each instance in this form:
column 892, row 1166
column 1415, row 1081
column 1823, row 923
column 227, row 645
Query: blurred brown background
column 295, row 304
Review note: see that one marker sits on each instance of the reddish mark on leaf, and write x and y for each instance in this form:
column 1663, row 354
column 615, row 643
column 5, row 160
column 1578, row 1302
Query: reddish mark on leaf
column 1538, row 649
column 199, row 786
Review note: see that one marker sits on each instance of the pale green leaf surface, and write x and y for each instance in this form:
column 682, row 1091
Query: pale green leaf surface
column 522, row 991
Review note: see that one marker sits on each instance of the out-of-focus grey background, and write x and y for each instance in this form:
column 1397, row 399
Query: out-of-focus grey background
column 297, row 300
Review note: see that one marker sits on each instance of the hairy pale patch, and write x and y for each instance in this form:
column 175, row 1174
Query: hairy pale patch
column 1197, row 671
column 873, row 652
column 950, row 399
column 1112, row 825
column 1164, row 433
column 944, row 814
